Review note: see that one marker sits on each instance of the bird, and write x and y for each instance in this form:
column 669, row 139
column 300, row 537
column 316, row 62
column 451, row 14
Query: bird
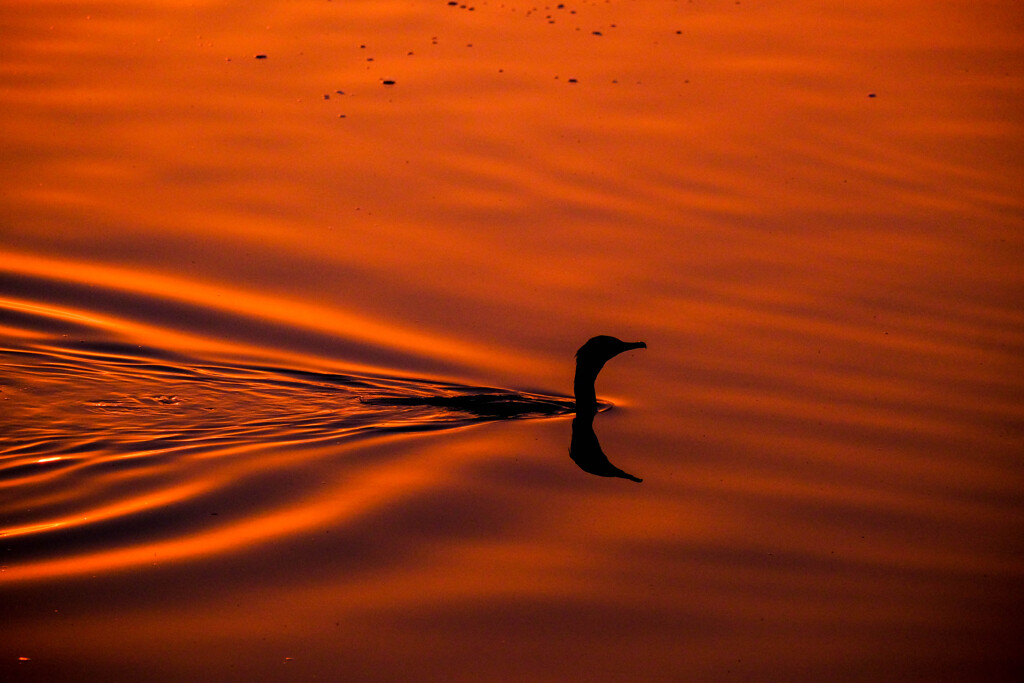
column 584, row 447
column 590, row 358
column 501, row 404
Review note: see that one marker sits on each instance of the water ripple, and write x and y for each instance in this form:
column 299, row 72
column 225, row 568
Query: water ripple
column 109, row 446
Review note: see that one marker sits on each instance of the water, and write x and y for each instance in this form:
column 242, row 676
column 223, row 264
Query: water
column 240, row 311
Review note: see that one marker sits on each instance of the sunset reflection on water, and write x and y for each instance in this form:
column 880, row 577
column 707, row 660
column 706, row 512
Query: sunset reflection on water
column 254, row 258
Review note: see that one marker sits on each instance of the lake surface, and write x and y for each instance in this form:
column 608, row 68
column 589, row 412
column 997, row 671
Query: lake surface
column 254, row 256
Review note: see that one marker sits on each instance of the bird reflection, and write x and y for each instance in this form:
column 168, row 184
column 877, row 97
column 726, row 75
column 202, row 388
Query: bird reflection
column 584, row 448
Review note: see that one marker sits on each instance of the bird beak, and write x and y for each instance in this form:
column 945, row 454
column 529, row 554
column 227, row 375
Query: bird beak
column 636, row 345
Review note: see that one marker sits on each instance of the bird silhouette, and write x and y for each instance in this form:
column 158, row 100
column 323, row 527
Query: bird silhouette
column 584, row 447
column 495, row 404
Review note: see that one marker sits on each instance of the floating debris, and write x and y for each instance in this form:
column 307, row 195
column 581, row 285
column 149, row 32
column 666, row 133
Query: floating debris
column 388, row 82
column 261, row 56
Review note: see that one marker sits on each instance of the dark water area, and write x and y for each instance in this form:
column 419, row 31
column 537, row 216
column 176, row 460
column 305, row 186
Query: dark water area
column 289, row 297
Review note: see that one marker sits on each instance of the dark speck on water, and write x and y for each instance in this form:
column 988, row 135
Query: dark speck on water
column 389, row 82
column 261, row 56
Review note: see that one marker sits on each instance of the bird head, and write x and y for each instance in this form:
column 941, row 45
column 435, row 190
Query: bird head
column 599, row 350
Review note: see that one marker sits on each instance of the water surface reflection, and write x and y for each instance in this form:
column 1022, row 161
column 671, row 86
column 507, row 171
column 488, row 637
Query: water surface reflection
column 262, row 321
column 585, row 449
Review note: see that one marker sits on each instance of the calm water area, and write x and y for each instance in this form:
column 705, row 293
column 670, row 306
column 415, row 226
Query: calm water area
column 259, row 262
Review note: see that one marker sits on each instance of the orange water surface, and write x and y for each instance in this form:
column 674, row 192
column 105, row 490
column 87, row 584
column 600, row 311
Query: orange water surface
column 255, row 256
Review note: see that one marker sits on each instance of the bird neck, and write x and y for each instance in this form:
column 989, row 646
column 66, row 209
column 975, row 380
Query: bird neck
column 583, row 387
